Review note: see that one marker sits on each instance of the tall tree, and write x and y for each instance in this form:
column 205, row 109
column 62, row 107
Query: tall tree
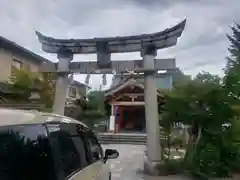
column 206, row 77
column 232, row 71
column 203, row 104
column 94, row 112
column 95, row 100
column 233, row 63
column 178, row 77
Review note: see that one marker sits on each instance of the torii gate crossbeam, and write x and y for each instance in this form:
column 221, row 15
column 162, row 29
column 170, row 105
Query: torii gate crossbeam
column 147, row 44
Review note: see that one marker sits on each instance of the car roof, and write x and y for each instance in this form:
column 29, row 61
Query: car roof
column 9, row 117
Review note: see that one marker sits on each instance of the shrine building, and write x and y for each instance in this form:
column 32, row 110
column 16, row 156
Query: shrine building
column 126, row 99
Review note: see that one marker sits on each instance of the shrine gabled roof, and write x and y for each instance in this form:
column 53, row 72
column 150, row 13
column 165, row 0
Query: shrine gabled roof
column 163, row 39
column 127, row 82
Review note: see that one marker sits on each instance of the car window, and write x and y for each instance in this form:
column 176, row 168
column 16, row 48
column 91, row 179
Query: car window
column 95, row 147
column 71, row 146
column 25, row 153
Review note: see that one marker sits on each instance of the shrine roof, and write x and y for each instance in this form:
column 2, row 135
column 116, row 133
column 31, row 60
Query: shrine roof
column 130, row 81
column 163, row 39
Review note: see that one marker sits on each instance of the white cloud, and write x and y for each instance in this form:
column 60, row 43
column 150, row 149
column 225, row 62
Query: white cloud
column 202, row 47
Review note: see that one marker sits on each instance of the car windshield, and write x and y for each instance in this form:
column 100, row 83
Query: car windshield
column 25, row 153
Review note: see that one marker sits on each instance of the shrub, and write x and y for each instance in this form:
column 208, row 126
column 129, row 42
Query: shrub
column 215, row 155
column 171, row 167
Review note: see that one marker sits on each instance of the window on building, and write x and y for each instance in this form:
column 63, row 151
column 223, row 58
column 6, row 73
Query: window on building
column 71, row 146
column 16, row 64
column 23, row 149
column 72, row 92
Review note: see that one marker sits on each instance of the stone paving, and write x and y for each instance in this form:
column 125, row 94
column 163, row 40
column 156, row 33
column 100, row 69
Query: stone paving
column 129, row 164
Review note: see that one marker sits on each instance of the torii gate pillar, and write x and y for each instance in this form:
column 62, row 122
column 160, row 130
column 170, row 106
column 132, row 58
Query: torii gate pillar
column 153, row 157
column 103, row 47
column 62, row 82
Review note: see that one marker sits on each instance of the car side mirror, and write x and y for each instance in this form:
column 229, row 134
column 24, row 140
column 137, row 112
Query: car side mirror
column 110, row 154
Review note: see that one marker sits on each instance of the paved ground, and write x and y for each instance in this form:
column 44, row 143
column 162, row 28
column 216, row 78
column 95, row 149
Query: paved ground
column 129, row 164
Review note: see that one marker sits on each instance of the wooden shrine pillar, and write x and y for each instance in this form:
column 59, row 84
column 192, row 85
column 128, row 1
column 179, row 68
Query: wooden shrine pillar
column 118, row 119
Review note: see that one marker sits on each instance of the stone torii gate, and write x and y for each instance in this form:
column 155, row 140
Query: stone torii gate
column 147, row 44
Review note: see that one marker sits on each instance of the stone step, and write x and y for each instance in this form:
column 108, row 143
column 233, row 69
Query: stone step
column 119, row 135
column 123, row 142
column 122, row 138
column 125, row 137
column 107, row 138
column 138, row 139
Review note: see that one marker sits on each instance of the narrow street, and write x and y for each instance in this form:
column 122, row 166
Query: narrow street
column 129, row 164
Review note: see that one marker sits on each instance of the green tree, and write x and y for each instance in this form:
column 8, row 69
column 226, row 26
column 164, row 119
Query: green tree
column 233, row 63
column 95, row 100
column 178, row 77
column 232, row 70
column 25, row 82
column 185, row 102
column 204, row 104
column 45, row 83
column 22, row 83
column 206, row 77
column 94, row 109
